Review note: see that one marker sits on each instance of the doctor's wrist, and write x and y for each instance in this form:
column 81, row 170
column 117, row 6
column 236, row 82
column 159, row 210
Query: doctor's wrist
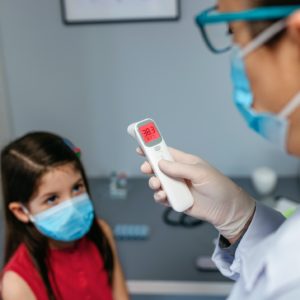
column 239, row 236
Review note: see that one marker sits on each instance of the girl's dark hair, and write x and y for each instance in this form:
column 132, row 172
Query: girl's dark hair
column 23, row 163
column 258, row 27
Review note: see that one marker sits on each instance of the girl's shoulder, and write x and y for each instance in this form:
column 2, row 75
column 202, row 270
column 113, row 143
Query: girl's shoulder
column 13, row 280
column 13, row 287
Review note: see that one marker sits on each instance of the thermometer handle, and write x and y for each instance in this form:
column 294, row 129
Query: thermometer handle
column 177, row 191
column 150, row 140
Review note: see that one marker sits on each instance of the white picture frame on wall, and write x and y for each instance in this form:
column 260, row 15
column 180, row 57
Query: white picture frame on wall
column 104, row 11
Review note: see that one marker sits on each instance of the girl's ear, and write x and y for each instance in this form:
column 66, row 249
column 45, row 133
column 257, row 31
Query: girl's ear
column 17, row 209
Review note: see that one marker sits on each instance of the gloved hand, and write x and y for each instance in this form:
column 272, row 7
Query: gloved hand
column 217, row 199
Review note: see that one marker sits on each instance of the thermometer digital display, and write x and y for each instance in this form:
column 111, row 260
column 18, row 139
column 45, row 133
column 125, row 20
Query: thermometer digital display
column 154, row 147
column 149, row 132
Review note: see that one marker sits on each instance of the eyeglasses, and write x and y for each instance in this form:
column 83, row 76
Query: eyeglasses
column 214, row 27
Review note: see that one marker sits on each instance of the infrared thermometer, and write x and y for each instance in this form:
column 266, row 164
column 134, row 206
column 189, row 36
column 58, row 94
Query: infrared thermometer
column 151, row 141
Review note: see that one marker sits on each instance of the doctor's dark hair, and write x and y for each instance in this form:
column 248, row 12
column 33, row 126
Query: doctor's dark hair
column 274, row 2
column 23, row 163
column 258, row 27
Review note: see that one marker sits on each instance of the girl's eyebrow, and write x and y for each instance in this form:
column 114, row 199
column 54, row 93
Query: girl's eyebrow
column 78, row 180
column 48, row 194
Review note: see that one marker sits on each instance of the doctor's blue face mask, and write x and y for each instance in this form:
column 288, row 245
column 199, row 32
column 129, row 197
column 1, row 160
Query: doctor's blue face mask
column 67, row 221
column 273, row 127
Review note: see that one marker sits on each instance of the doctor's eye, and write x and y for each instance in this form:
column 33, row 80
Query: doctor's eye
column 230, row 30
column 219, row 36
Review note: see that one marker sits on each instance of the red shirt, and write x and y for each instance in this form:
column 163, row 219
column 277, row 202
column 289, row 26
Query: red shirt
column 78, row 271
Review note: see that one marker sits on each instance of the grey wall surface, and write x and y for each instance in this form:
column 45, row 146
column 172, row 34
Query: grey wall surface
column 5, row 112
column 89, row 82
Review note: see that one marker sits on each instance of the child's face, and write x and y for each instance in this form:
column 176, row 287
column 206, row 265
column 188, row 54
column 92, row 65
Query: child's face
column 56, row 186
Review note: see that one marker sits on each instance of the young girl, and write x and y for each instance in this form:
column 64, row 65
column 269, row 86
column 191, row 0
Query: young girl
column 55, row 246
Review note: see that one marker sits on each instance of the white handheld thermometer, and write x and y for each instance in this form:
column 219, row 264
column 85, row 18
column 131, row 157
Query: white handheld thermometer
column 150, row 140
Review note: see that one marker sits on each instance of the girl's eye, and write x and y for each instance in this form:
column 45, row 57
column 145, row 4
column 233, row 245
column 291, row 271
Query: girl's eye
column 78, row 187
column 51, row 199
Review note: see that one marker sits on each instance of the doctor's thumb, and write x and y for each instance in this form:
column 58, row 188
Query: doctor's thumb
column 179, row 170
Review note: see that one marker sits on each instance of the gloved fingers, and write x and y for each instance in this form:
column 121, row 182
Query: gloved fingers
column 140, row 151
column 146, row 168
column 184, row 157
column 165, row 203
column 161, row 198
column 154, row 183
column 178, row 155
column 177, row 170
column 194, row 173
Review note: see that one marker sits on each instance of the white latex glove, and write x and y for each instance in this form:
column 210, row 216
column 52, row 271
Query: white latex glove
column 217, row 199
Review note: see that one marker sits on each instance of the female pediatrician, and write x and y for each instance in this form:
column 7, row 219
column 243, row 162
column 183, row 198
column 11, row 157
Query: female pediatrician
column 257, row 247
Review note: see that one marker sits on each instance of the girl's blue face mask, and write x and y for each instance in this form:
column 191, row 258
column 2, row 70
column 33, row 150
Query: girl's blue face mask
column 67, row 221
column 273, row 127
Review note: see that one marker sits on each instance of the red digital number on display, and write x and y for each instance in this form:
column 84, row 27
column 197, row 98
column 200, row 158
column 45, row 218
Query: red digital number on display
column 149, row 132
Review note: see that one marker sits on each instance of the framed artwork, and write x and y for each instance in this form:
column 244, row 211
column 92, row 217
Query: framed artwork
column 104, row 11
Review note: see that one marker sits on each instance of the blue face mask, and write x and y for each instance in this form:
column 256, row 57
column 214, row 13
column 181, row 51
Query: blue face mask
column 273, row 127
column 67, row 221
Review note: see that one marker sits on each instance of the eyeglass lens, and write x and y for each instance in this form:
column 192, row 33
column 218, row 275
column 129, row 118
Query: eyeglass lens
column 219, row 36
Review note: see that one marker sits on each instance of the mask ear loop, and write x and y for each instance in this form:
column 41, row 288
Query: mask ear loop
column 26, row 211
column 264, row 37
column 260, row 40
column 290, row 107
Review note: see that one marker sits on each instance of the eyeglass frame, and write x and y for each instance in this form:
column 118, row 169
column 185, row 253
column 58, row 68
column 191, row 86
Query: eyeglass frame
column 255, row 14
